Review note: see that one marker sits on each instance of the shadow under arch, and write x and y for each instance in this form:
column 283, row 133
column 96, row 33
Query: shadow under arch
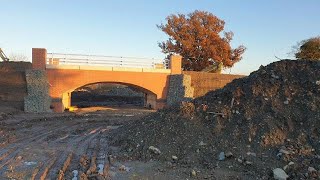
column 150, row 98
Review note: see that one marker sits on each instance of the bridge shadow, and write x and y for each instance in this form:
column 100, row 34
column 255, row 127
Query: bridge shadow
column 110, row 94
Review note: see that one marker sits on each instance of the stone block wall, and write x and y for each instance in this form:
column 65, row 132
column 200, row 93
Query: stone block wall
column 38, row 99
column 204, row 82
column 179, row 89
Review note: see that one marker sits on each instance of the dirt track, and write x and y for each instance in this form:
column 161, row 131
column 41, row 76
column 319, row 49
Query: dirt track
column 51, row 146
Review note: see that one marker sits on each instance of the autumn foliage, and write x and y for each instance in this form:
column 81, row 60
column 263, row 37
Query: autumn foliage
column 308, row 49
column 199, row 38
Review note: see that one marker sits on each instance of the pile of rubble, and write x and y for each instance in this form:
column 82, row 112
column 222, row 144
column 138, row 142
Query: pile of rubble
column 263, row 125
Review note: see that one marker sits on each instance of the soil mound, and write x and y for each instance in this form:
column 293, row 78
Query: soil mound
column 14, row 66
column 253, row 125
column 13, row 87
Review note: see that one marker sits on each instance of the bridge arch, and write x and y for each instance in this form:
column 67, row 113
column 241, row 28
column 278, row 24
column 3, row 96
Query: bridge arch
column 150, row 97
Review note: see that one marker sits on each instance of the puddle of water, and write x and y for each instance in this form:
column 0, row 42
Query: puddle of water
column 75, row 175
column 30, row 163
column 100, row 166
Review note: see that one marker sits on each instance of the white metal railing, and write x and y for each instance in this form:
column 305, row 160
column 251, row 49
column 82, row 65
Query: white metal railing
column 113, row 61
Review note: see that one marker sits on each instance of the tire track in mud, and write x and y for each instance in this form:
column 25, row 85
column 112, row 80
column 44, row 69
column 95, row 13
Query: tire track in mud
column 52, row 123
column 43, row 132
column 36, row 171
column 89, row 163
column 103, row 155
column 59, row 164
column 75, row 147
column 72, row 146
column 66, row 154
column 96, row 155
column 8, row 158
column 7, row 153
column 91, row 155
column 16, row 148
column 80, row 151
column 65, row 166
column 35, row 136
column 45, row 169
column 23, row 142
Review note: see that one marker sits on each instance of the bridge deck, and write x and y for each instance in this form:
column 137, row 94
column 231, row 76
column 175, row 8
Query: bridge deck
column 107, row 68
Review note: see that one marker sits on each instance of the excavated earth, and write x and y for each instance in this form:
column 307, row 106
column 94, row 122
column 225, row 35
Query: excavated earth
column 269, row 119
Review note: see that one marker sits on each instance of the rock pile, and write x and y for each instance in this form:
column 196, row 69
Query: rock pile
column 269, row 122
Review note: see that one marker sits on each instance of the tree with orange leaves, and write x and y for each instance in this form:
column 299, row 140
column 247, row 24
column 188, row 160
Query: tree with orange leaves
column 197, row 38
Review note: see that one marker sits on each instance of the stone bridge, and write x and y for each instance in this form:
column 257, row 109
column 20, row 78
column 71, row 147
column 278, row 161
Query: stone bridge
column 64, row 78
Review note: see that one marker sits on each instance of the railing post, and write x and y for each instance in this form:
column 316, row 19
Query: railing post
column 52, row 60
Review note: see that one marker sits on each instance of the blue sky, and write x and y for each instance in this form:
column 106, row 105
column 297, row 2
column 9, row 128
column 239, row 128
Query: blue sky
column 128, row 28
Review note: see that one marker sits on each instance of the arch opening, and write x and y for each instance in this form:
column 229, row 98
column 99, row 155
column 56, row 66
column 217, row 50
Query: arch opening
column 109, row 94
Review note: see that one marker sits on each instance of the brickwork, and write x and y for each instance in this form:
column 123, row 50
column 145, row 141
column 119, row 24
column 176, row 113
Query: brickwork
column 203, row 82
column 175, row 64
column 63, row 80
column 39, row 57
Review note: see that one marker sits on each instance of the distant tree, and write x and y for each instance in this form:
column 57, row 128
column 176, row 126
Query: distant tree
column 18, row 57
column 308, row 49
column 199, row 38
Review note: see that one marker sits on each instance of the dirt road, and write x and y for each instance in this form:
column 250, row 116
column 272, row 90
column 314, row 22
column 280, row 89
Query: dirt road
column 66, row 146
column 75, row 146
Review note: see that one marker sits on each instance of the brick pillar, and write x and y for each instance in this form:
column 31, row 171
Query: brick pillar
column 39, row 57
column 175, row 64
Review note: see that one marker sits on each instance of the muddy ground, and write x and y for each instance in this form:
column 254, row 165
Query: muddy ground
column 59, row 146
column 262, row 126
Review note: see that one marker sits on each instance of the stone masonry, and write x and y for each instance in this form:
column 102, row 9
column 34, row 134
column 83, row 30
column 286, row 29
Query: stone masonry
column 179, row 89
column 38, row 99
